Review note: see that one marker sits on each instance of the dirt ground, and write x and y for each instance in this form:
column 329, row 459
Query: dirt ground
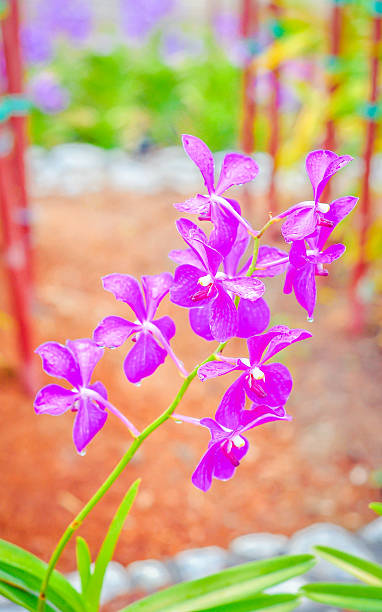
column 317, row 468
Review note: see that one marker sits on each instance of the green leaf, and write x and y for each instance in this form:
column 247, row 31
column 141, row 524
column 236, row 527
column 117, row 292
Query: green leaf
column 22, row 598
column 24, row 569
column 229, row 586
column 368, row 572
column 377, row 507
column 83, row 561
column 93, row 591
column 348, row 596
column 273, row 603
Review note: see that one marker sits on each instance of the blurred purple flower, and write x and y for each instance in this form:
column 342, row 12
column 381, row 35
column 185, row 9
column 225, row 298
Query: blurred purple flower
column 151, row 336
column 303, row 218
column 224, row 213
column 176, row 47
column 70, row 17
column 47, row 94
column 264, row 384
column 228, row 445
column 139, row 17
column 306, row 264
column 36, row 44
column 198, row 283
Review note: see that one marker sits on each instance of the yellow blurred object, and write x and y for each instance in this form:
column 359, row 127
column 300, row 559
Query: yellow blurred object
column 286, row 48
column 6, row 321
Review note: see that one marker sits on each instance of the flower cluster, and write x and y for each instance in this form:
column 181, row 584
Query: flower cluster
column 223, row 290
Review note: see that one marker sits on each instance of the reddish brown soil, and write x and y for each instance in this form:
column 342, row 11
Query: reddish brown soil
column 294, row 474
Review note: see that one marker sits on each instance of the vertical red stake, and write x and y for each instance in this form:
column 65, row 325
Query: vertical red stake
column 13, row 58
column 335, row 51
column 13, row 200
column 274, row 120
column 248, row 27
column 358, row 308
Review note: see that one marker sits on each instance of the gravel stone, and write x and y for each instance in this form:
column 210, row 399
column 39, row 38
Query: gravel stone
column 258, row 546
column 199, row 562
column 149, row 575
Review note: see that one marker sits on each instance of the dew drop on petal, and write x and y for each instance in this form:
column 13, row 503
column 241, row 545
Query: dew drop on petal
column 82, row 453
column 138, row 384
column 310, row 319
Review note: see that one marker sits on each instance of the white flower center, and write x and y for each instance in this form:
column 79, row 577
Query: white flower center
column 257, row 373
column 246, row 362
column 238, row 441
column 322, row 207
column 204, row 281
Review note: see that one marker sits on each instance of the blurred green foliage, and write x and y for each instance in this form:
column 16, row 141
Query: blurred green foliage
column 120, row 98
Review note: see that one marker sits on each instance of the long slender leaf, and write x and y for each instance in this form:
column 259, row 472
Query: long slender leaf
column 271, row 603
column 93, row 591
column 368, row 572
column 230, row 585
column 83, row 561
column 349, row 596
column 21, row 597
column 28, row 570
column 377, row 507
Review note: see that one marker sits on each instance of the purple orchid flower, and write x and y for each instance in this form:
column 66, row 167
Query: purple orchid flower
column 48, row 94
column 75, row 363
column 151, row 336
column 253, row 317
column 264, row 384
column 36, row 44
column 228, row 446
column 199, row 283
column 306, row 264
column 224, row 213
column 70, row 17
column 140, row 17
column 303, row 219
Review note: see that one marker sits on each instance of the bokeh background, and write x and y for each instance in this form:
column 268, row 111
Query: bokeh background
column 112, row 86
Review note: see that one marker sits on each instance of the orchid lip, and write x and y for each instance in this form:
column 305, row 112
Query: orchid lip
column 323, row 208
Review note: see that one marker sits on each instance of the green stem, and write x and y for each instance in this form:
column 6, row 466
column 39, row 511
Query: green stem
column 76, row 523
column 256, row 241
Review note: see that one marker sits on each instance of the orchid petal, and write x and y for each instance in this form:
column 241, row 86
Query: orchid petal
column 223, row 316
column 224, row 229
column 99, row 388
column 155, row 288
column 87, row 353
column 277, row 386
column 253, row 317
column 202, row 476
column 212, row 369
column 200, row 154
column 57, row 360
column 272, row 260
column 300, row 224
column 186, row 286
column 114, row 331
column 316, row 165
column 289, row 279
column 236, row 170
column 90, row 418
column 166, row 325
column 144, row 358
column 297, row 254
column 199, row 205
column 232, row 405
column 339, row 209
column 200, row 322
column 304, row 285
column 126, row 288
column 197, row 240
column 260, row 415
column 246, row 287
column 224, row 467
column 258, row 344
column 331, row 253
column 334, row 166
column 54, row 399
column 284, row 339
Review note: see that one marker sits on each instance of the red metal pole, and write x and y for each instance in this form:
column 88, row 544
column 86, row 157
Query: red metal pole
column 13, row 59
column 365, row 210
column 274, row 120
column 335, row 50
column 248, row 27
column 13, row 200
